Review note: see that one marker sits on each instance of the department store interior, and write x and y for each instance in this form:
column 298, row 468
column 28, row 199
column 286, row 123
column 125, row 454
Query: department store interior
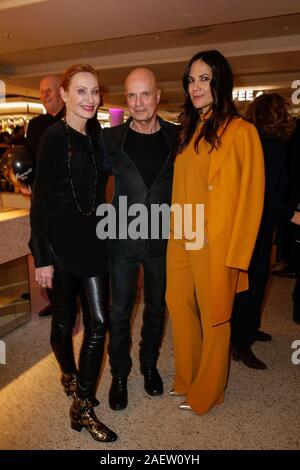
column 261, row 41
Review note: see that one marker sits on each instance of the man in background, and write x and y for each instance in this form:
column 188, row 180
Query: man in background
column 51, row 99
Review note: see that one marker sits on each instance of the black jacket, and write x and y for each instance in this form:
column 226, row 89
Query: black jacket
column 275, row 156
column 129, row 182
column 294, row 168
column 36, row 129
column 294, row 179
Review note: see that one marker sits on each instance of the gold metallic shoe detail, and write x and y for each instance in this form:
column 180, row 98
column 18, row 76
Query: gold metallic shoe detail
column 82, row 415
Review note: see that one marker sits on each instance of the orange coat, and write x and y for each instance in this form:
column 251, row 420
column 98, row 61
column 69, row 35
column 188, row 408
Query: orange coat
column 233, row 211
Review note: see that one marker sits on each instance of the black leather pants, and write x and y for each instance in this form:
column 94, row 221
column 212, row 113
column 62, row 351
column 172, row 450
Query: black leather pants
column 94, row 297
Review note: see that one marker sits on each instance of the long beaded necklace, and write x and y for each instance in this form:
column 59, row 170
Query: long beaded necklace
column 69, row 153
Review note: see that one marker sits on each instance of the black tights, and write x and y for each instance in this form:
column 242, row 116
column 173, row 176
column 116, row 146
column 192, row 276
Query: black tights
column 94, row 297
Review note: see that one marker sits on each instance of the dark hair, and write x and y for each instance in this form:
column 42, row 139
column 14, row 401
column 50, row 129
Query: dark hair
column 73, row 70
column 222, row 109
column 268, row 112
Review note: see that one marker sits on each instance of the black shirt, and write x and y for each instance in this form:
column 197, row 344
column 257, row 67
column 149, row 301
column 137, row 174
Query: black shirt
column 57, row 225
column 148, row 152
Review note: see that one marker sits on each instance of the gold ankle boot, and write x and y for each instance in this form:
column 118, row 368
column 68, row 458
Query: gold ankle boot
column 82, row 415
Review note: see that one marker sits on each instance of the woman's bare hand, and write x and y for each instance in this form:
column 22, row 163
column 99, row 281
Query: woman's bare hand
column 44, row 276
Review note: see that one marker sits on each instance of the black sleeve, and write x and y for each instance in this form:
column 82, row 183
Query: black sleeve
column 276, row 179
column 45, row 178
column 32, row 140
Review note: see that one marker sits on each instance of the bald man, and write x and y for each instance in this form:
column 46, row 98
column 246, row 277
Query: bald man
column 138, row 155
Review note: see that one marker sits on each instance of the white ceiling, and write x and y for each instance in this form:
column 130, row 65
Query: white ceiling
column 260, row 38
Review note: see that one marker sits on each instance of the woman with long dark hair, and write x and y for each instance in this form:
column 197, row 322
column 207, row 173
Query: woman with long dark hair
column 70, row 260
column 269, row 114
column 219, row 164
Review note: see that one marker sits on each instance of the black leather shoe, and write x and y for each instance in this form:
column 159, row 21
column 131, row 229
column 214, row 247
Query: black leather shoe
column 46, row 311
column 118, row 396
column 262, row 336
column 152, row 381
column 247, row 356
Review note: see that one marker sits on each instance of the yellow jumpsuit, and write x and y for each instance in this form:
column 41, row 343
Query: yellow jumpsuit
column 201, row 283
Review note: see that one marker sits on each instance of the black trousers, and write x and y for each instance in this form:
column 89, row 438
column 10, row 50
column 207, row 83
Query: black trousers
column 247, row 307
column 94, row 297
column 124, row 276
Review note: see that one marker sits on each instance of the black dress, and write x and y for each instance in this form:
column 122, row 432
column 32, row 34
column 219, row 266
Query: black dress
column 58, row 229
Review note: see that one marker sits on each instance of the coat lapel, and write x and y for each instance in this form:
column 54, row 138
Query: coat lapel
column 219, row 155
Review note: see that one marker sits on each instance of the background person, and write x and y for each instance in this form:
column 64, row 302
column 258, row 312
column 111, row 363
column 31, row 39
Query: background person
column 50, row 97
column 294, row 203
column 269, row 114
column 219, row 157
column 18, row 137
